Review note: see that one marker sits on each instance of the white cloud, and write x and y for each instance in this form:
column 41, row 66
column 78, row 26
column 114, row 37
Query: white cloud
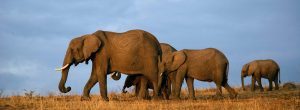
column 20, row 67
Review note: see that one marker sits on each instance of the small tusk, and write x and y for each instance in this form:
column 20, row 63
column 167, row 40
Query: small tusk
column 64, row 67
column 112, row 74
column 161, row 74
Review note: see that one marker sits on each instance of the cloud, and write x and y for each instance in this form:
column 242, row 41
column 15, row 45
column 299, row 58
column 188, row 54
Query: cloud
column 28, row 68
column 10, row 81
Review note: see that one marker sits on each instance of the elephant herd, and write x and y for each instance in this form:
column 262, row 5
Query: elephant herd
column 153, row 65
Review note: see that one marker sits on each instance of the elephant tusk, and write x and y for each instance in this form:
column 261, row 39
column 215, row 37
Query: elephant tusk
column 62, row 68
column 111, row 75
column 161, row 74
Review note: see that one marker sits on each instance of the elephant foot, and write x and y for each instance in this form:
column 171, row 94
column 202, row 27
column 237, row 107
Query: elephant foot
column 261, row 90
column 176, row 98
column 143, row 98
column 217, row 97
column 218, row 94
column 192, row 98
column 85, row 98
column 166, row 97
column 232, row 96
column 105, row 99
column 157, row 98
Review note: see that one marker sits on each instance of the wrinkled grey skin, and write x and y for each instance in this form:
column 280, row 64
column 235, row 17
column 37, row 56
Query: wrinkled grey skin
column 205, row 65
column 131, row 52
column 258, row 69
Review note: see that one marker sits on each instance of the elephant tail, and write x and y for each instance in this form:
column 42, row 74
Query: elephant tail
column 225, row 76
column 123, row 90
column 279, row 76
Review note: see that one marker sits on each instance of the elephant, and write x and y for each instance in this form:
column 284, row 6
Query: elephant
column 135, row 80
column 207, row 64
column 258, row 69
column 131, row 52
column 167, row 78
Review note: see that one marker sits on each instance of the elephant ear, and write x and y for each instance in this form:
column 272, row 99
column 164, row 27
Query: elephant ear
column 245, row 68
column 178, row 58
column 247, row 71
column 90, row 45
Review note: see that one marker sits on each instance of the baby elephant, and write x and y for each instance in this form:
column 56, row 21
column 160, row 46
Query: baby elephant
column 135, row 80
column 258, row 69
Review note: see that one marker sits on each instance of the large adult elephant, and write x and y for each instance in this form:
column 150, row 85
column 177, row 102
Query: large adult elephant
column 167, row 76
column 131, row 52
column 205, row 65
column 258, row 69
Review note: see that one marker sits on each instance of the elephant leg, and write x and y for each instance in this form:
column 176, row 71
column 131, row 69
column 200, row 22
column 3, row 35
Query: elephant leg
column 165, row 93
column 253, row 83
column 137, row 89
column 172, row 84
column 270, row 84
column 259, row 84
column 147, row 95
column 190, row 84
column 169, row 84
column 219, row 90
column 142, row 88
column 102, row 79
column 276, row 83
column 88, row 86
column 230, row 90
column 179, row 79
column 151, row 75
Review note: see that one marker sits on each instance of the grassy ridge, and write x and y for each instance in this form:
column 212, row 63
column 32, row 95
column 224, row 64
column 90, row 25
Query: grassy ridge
column 206, row 99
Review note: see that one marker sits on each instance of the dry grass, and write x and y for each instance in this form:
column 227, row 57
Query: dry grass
column 206, row 99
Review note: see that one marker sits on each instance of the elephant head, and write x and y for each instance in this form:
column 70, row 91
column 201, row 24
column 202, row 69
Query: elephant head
column 175, row 60
column 244, row 73
column 80, row 49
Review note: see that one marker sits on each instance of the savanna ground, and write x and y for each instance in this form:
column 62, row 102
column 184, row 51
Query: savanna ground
column 282, row 99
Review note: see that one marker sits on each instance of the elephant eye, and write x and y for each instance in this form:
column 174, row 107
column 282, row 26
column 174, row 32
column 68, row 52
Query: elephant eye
column 74, row 51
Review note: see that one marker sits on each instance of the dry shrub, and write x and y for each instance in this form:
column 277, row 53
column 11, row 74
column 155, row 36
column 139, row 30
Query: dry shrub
column 289, row 86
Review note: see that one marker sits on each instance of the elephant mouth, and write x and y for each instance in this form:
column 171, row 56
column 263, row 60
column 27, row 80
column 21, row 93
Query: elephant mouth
column 76, row 62
column 62, row 68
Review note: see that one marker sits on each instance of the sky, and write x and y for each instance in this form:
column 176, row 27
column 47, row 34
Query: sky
column 35, row 34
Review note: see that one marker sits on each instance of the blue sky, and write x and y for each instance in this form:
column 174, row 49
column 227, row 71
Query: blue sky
column 35, row 34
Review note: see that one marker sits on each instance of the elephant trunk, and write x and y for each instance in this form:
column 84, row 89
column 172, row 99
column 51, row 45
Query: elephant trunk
column 64, row 72
column 242, row 79
column 63, row 80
